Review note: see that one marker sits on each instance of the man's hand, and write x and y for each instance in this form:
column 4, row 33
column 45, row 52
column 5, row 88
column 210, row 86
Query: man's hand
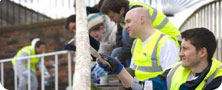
column 116, row 66
column 70, row 47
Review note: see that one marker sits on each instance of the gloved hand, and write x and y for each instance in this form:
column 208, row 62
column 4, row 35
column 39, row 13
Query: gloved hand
column 98, row 71
column 70, row 47
column 116, row 66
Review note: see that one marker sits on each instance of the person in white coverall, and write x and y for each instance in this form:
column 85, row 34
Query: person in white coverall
column 21, row 65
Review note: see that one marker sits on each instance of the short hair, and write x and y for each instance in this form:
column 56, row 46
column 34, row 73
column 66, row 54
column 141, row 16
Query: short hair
column 70, row 19
column 201, row 38
column 113, row 5
column 39, row 43
column 99, row 5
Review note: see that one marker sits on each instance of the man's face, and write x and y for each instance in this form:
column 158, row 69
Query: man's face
column 97, row 34
column 131, row 25
column 41, row 49
column 72, row 27
column 115, row 17
column 190, row 56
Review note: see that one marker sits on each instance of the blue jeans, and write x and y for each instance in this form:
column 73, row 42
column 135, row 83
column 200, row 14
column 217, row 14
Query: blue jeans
column 125, row 39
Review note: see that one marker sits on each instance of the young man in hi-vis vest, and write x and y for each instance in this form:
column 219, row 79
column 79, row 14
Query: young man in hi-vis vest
column 21, row 65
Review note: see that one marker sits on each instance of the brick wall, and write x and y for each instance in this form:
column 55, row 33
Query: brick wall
column 14, row 38
column 52, row 32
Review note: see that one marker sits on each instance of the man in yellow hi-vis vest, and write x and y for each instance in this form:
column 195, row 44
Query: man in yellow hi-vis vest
column 117, row 9
column 198, row 70
column 153, row 51
column 21, row 65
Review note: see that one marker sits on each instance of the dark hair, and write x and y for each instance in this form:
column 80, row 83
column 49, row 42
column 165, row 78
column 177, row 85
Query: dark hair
column 201, row 38
column 113, row 5
column 39, row 43
column 99, row 5
column 70, row 19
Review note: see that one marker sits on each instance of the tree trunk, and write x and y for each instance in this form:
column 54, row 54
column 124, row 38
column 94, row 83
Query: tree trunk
column 81, row 79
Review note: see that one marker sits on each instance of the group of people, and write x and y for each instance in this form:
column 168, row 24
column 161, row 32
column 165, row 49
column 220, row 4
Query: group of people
column 141, row 45
column 197, row 70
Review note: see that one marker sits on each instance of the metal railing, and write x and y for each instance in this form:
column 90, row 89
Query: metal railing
column 172, row 7
column 55, row 54
column 208, row 16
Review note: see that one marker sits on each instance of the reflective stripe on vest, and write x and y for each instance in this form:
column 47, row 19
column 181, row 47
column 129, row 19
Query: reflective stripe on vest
column 155, row 67
column 162, row 24
column 179, row 72
column 159, row 20
column 170, row 75
column 154, row 14
column 30, row 51
column 209, row 79
column 147, row 60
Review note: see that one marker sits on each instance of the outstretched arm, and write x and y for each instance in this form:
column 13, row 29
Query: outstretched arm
column 157, row 83
column 126, row 78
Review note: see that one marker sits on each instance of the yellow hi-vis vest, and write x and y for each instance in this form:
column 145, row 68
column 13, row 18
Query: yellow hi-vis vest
column 147, row 64
column 179, row 75
column 159, row 20
column 30, row 51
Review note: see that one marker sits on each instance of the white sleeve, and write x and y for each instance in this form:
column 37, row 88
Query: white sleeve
column 132, row 65
column 169, row 54
column 19, row 63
